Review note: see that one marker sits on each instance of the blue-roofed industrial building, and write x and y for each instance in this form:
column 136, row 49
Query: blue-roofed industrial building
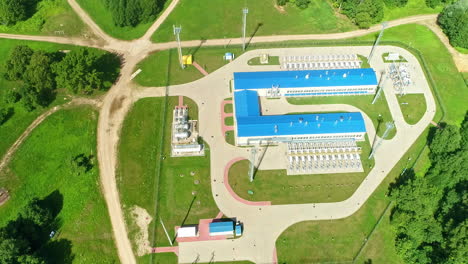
column 308, row 82
column 254, row 128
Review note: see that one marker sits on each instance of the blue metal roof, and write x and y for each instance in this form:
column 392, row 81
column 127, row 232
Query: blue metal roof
column 216, row 227
column 238, row 230
column 251, row 124
column 306, row 124
column 247, row 103
column 307, row 78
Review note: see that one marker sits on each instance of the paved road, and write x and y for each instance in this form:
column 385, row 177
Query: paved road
column 122, row 95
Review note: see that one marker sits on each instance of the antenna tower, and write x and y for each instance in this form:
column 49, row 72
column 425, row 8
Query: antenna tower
column 384, row 25
column 245, row 11
column 252, row 163
column 389, row 126
column 177, row 31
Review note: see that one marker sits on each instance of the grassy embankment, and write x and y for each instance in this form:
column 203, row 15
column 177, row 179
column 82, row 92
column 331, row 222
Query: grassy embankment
column 279, row 188
column 150, row 178
column 42, row 165
column 51, row 16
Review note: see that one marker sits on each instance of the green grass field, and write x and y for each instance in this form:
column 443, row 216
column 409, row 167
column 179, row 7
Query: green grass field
column 230, row 137
column 229, row 121
column 228, row 108
column 279, row 188
column 413, row 107
column 141, row 154
column 51, row 16
column 362, row 102
column 42, row 165
column 412, row 8
column 163, row 68
column 225, row 19
column 340, row 240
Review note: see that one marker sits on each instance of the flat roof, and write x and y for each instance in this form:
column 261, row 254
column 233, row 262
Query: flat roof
column 246, row 103
column 221, row 227
column 306, row 78
column 251, row 123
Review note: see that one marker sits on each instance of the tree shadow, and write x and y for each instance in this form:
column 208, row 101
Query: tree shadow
column 9, row 112
column 368, row 261
column 403, row 179
column 109, row 64
column 194, row 50
column 58, row 251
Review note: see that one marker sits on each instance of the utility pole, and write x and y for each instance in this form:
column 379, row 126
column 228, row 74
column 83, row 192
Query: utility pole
column 245, row 11
column 165, row 231
column 384, row 25
column 389, row 126
column 380, row 87
column 252, row 163
column 177, row 31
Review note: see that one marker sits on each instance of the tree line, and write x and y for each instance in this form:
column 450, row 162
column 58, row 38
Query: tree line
column 27, row 239
column 13, row 11
column 40, row 73
column 430, row 213
column 454, row 22
column 364, row 13
column 134, row 12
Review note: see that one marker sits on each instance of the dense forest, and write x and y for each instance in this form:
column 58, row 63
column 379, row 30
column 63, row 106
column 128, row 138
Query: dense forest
column 430, row 213
column 454, row 22
column 134, row 12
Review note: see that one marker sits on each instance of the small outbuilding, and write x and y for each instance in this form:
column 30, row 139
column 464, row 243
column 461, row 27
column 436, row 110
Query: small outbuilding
column 229, row 56
column 221, row 228
column 187, row 231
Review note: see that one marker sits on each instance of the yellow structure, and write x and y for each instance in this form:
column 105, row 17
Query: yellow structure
column 187, row 59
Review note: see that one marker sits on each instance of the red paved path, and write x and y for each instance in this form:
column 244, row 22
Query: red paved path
column 181, row 101
column 231, row 191
column 225, row 128
column 165, row 250
column 199, row 68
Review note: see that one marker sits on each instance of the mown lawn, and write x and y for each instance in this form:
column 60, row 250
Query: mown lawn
column 99, row 12
column 51, row 16
column 162, row 68
column 224, row 18
column 413, row 107
column 340, row 240
column 363, row 102
column 229, row 121
column 279, row 188
column 229, row 137
column 42, row 166
column 150, row 178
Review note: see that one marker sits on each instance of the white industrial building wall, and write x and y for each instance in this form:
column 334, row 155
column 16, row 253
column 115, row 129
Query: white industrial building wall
column 359, row 136
column 284, row 90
